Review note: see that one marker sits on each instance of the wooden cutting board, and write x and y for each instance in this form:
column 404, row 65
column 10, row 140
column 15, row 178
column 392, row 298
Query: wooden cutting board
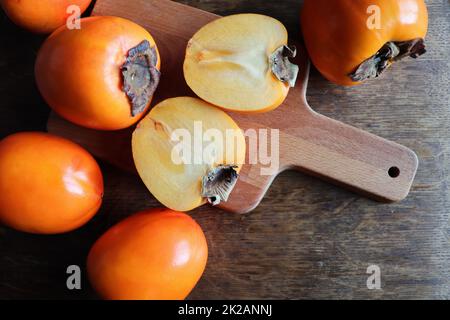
column 309, row 142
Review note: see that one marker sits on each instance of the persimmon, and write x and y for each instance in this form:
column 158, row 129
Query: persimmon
column 43, row 16
column 156, row 254
column 241, row 63
column 102, row 76
column 47, row 184
column 352, row 41
column 188, row 152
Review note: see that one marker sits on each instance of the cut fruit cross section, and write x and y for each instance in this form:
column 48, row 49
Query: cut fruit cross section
column 188, row 152
column 241, row 63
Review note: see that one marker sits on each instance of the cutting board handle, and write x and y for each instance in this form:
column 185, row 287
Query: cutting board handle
column 351, row 157
column 337, row 153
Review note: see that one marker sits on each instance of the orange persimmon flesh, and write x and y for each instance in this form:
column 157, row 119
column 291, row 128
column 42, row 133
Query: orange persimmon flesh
column 178, row 184
column 227, row 63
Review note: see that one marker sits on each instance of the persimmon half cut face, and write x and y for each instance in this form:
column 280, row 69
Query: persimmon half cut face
column 352, row 41
column 241, row 63
column 101, row 76
column 188, row 152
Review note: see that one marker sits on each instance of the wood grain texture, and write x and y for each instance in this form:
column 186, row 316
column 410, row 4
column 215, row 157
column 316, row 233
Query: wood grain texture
column 308, row 141
column 307, row 239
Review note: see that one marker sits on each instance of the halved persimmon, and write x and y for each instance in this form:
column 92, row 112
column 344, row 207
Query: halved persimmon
column 241, row 63
column 102, row 76
column 188, row 152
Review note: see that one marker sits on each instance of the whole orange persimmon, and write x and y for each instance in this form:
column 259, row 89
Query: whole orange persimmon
column 350, row 41
column 157, row 254
column 42, row 16
column 101, row 76
column 47, row 184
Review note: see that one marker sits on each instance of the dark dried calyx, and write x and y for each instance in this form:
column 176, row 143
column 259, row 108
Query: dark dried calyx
column 388, row 54
column 282, row 68
column 140, row 76
column 218, row 183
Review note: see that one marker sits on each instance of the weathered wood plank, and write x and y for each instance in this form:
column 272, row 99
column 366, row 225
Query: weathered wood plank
column 307, row 239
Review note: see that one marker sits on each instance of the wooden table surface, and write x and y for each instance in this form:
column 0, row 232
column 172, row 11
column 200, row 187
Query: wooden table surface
column 308, row 239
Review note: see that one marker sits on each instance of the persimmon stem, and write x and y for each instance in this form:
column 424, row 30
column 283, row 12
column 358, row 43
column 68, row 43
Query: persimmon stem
column 282, row 68
column 388, row 54
column 140, row 76
column 218, row 183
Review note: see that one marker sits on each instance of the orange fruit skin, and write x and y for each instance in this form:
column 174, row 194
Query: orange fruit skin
column 78, row 72
column 41, row 16
column 338, row 39
column 48, row 184
column 157, row 254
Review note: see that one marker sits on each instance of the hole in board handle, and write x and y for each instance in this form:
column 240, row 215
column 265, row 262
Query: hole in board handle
column 394, row 172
